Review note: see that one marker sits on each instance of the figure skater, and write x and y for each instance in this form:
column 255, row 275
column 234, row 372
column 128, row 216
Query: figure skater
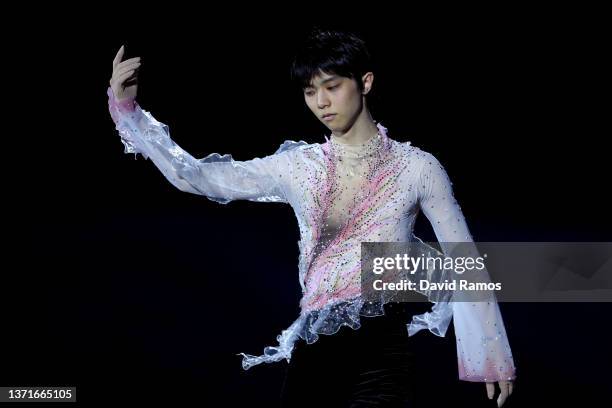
column 358, row 185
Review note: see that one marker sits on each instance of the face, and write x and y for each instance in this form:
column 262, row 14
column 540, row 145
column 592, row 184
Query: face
column 335, row 100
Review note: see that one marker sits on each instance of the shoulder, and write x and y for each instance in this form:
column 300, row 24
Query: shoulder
column 296, row 153
column 425, row 160
column 301, row 151
column 418, row 157
column 289, row 145
column 296, row 146
column 430, row 170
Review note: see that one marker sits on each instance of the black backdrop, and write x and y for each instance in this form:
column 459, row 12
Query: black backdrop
column 130, row 289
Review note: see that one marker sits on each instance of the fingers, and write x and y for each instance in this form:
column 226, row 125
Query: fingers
column 119, row 78
column 127, row 62
column 118, row 64
column 490, row 390
column 122, row 78
column 118, row 57
column 125, row 68
column 503, row 394
column 505, row 388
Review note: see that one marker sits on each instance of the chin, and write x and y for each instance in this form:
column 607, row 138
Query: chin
column 334, row 126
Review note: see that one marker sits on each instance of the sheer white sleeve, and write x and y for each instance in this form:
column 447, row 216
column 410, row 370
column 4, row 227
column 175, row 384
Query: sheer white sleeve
column 220, row 178
column 483, row 350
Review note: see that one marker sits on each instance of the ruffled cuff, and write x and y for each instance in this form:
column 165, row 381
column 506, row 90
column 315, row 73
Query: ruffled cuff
column 125, row 106
column 126, row 115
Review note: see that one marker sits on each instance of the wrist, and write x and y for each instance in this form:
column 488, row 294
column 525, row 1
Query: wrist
column 126, row 105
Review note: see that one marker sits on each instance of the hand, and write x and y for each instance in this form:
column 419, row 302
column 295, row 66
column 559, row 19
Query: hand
column 122, row 72
column 505, row 388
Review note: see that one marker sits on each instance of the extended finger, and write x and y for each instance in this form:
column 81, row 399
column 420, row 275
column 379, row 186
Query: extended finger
column 118, row 57
column 510, row 388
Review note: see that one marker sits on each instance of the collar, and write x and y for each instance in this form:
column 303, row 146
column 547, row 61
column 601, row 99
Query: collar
column 370, row 147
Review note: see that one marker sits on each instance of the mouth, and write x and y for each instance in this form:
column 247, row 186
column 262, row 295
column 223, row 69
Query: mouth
column 328, row 116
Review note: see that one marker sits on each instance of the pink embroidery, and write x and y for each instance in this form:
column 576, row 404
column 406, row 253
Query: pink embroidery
column 118, row 107
column 357, row 226
column 491, row 372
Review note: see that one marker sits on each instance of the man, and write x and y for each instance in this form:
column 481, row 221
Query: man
column 358, row 186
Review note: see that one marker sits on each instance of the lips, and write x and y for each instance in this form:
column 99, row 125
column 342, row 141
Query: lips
column 328, row 116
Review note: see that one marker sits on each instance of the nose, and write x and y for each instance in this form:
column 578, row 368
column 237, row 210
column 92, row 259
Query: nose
column 322, row 100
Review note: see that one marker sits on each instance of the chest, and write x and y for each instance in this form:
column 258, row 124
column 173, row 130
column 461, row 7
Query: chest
column 358, row 193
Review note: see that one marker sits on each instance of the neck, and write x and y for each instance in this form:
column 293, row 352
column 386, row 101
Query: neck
column 362, row 130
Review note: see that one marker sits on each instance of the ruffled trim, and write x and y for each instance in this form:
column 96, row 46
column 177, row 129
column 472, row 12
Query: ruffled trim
column 346, row 312
column 308, row 327
column 123, row 113
column 328, row 321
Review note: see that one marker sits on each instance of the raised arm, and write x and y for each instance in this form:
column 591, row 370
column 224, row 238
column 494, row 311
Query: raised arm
column 483, row 350
column 217, row 177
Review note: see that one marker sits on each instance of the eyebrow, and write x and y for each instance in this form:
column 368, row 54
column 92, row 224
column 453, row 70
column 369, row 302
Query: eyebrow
column 325, row 81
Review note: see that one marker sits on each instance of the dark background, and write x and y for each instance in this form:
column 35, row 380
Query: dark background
column 130, row 289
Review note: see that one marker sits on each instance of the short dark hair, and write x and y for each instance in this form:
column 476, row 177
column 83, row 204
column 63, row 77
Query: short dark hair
column 333, row 52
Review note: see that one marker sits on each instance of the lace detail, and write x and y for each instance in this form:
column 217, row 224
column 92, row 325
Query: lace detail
column 358, row 151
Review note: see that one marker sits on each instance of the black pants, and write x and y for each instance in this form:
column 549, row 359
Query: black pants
column 374, row 366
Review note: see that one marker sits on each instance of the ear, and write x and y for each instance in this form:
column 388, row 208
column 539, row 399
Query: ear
column 367, row 80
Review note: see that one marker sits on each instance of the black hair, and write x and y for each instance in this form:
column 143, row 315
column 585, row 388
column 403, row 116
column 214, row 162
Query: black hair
column 333, row 52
